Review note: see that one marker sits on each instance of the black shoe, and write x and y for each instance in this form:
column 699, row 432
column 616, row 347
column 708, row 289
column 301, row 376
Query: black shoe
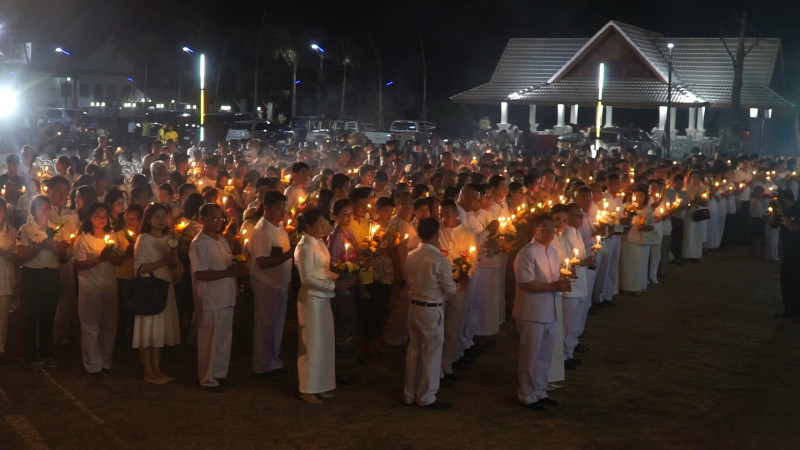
column 477, row 349
column 570, row 364
column 467, row 360
column 458, row 365
column 609, row 303
column 445, row 383
column 549, row 401
column 537, row 406
column 213, row 389
column 438, row 405
column 472, row 353
column 452, row 377
column 581, row 349
column 593, row 310
column 224, row 382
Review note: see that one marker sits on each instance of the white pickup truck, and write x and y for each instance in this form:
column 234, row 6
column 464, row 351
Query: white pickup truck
column 403, row 131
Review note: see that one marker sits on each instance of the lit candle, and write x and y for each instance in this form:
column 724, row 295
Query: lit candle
column 224, row 200
column 301, row 200
column 405, row 237
column 347, row 249
column 230, row 182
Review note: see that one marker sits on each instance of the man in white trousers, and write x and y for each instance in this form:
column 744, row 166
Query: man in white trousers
column 538, row 286
column 431, row 281
column 271, row 253
column 214, row 276
column 576, row 301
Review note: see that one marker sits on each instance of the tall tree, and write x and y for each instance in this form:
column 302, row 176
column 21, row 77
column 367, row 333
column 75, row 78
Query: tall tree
column 735, row 117
column 284, row 47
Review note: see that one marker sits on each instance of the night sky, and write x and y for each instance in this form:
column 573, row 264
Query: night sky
column 463, row 40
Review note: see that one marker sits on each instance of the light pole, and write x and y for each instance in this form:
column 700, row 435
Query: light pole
column 321, row 52
column 67, row 85
column 667, row 127
column 344, row 85
column 202, row 95
column 180, row 73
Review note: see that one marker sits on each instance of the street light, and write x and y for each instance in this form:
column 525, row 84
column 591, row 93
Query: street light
column 667, row 129
column 66, row 86
column 202, row 95
column 180, row 73
column 321, row 52
column 345, row 62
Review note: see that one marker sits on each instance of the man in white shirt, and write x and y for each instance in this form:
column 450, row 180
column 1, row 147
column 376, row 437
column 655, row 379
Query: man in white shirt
column 271, row 255
column 455, row 241
column 296, row 194
column 431, row 281
column 538, row 286
column 395, row 332
column 214, row 277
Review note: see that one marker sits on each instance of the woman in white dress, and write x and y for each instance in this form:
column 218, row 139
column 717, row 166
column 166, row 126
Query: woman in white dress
column 153, row 253
column 96, row 254
column 8, row 259
column 693, row 231
column 316, row 348
column 635, row 255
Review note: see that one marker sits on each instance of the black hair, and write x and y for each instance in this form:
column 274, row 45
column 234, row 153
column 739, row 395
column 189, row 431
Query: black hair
column 428, row 228
column 145, row 226
column 383, row 202
column 307, row 218
column 86, row 224
column 339, row 205
column 298, row 166
column 339, row 180
column 206, row 208
column 273, row 197
column 191, row 207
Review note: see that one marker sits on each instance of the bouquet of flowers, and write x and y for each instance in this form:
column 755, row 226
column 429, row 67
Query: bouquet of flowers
column 461, row 267
column 346, row 269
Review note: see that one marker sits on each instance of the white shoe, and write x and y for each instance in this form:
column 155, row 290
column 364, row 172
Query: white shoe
column 553, row 386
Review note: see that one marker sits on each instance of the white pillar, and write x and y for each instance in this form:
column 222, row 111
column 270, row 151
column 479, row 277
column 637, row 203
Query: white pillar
column 532, row 117
column 560, row 122
column 701, row 122
column 503, row 112
column 573, row 114
column 609, row 114
column 662, row 117
column 690, row 130
column 672, row 114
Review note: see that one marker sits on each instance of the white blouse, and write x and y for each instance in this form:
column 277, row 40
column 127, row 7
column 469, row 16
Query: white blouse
column 313, row 263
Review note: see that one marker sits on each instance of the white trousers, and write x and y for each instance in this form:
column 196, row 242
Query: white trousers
column 98, row 315
column 269, row 319
column 655, row 260
column 214, row 336
column 486, row 309
column 5, row 305
column 316, row 351
column 454, row 316
column 536, row 342
column 771, row 239
column 424, row 354
column 573, row 318
column 607, row 271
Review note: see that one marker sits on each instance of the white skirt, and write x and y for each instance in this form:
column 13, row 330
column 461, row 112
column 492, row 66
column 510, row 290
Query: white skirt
column 316, row 370
column 160, row 329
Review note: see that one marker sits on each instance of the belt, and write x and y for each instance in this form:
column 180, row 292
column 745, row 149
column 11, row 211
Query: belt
column 429, row 305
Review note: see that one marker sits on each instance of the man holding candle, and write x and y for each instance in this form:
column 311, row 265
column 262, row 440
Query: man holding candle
column 270, row 273
column 297, row 190
column 575, row 302
column 431, row 282
column 455, row 241
column 214, row 280
column 538, row 286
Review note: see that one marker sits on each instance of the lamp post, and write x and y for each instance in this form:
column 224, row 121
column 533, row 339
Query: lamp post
column 344, row 85
column 321, row 52
column 667, row 126
column 67, row 84
column 180, row 73
column 202, row 94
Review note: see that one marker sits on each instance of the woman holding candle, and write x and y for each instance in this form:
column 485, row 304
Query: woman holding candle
column 343, row 246
column 124, row 273
column 635, row 254
column 152, row 253
column 96, row 253
column 316, row 351
column 694, row 232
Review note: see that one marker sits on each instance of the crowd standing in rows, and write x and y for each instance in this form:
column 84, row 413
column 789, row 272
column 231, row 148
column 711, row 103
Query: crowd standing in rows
column 431, row 247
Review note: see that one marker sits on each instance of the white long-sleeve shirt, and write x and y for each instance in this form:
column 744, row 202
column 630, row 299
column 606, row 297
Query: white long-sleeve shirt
column 313, row 264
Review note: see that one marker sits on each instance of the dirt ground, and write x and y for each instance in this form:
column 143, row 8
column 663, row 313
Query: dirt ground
column 697, row 362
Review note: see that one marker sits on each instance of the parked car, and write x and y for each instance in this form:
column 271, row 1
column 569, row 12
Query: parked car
column 64, row 116
column 247, row 129
column 630, row 138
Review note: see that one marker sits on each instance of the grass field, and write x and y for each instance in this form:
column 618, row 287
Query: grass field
column 697, row 362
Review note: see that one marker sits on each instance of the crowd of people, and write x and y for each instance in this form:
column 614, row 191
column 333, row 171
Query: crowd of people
column 432, row 248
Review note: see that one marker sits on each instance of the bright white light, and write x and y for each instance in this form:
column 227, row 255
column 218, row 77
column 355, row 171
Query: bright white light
column 61, row 50
column 188, row 50
column 670, row 45
column 225, row 107
column 601, row 75
column 514, row 96
column 753, row 113
column 317, row 48
column 8, row 102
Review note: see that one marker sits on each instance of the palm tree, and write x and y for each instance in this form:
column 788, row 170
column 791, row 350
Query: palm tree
column 283, row 46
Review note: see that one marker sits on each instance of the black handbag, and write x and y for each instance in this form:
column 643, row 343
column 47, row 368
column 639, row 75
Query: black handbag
column 701, row 215
column 149, row 294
